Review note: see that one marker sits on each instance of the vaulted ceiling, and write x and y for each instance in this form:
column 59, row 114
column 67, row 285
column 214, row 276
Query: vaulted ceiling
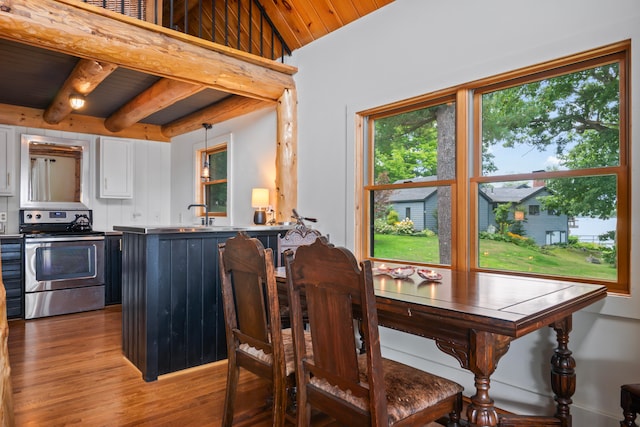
column 127, row 98
column 302, row 21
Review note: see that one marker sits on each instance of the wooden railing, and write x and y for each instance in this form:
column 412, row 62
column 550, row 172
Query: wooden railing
column 240, row 24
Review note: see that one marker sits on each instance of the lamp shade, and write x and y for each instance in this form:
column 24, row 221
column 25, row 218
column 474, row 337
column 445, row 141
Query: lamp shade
column 259, row 197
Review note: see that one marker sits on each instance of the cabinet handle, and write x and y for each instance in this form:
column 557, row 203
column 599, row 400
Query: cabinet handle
column 105, row 184
column 8, row 179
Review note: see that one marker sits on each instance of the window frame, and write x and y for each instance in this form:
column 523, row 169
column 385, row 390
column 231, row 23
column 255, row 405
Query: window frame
column 202, row 184
column 469, row 177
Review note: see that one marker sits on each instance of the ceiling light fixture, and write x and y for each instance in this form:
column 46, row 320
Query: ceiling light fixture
column 76, row 101
column 205, row 166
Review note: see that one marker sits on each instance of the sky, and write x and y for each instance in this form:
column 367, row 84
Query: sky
column 522, row 159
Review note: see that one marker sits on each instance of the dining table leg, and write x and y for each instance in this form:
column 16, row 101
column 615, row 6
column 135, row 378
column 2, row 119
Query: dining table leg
column 563, row 374
column 485, row 352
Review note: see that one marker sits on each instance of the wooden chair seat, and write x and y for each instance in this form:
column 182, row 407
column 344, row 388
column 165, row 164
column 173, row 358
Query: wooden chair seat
column 630, row 403
column 404, row 398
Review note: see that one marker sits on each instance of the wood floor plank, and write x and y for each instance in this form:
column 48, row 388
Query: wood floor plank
column 70, row 371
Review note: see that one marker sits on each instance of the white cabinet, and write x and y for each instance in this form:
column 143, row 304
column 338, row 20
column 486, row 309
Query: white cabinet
column 116, row 168
column 7, row 161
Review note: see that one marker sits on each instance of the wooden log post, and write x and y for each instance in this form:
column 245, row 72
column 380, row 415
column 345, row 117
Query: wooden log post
column 6, row 390
column 287, row 155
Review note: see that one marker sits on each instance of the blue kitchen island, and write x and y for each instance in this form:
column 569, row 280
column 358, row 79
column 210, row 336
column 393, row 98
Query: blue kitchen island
column 172, row 315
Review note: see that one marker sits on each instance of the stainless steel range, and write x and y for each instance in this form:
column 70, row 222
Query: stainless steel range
column 64, row 262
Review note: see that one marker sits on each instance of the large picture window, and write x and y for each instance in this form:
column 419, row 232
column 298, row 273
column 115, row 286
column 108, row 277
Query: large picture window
column 524, row 173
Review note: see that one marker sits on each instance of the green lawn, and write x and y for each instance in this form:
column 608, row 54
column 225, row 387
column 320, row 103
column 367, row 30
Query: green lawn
column 499, row 255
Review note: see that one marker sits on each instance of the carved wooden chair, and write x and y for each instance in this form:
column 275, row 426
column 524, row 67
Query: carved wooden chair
column 291, row 241
column 255, row 340
column 351, row 388
column 630, row 403
column 295, row 238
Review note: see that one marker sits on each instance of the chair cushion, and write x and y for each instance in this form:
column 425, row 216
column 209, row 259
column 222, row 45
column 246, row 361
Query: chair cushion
column 289, row 357
column 408, row 389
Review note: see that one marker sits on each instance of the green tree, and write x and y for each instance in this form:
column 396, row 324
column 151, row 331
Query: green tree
column 406, row 145
column 381, row 198
column 420, row 143
column 502, row 217
column 578, row 115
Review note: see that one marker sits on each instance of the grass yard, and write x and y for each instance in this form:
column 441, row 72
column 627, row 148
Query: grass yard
column 499, row 255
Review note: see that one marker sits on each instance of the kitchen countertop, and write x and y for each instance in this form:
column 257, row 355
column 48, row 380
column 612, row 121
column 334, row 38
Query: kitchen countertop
column 11, row 236
column 169, row 229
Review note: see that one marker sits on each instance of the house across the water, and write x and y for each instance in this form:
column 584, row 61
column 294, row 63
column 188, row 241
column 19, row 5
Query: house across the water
column 544, row 226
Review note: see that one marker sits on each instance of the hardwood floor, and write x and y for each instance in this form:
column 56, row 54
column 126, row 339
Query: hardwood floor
column 69, row 370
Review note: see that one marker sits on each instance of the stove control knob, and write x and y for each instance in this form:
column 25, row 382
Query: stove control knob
column 38, row 216
column 29, row 216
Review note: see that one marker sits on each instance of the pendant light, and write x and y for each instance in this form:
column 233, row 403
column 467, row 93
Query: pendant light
column 205, row 167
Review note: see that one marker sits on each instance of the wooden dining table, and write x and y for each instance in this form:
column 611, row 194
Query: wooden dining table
column 474, row 316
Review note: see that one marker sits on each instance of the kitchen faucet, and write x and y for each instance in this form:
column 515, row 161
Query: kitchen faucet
column 206, row 211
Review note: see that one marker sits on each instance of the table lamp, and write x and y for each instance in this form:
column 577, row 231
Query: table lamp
column 260, row 201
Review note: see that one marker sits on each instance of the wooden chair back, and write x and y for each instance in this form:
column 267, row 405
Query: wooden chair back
column 354, row 389
column 293, row 239
column 252, row 318
column 334, row 284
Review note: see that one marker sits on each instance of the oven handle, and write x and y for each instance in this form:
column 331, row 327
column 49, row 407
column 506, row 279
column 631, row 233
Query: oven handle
column 53, row 239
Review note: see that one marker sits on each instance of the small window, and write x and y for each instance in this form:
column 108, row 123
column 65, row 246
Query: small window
column 534, row 210
column 213, row 191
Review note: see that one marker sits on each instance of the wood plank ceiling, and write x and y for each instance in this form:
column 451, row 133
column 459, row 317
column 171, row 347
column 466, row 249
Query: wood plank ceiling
column 37, row 78
column 302, row 21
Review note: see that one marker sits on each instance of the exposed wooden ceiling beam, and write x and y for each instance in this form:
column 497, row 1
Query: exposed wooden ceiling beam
column 159, row 96
column 77, row 29
column 228, row 108
column 99, row 35
column 85, row 77
column 32, row 117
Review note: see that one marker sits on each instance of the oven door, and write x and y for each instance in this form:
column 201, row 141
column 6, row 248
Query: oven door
column 62, row 262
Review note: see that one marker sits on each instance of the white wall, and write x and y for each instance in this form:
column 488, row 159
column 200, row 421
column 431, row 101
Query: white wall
column 413, row 47
column 150, row 204
column 251, row 151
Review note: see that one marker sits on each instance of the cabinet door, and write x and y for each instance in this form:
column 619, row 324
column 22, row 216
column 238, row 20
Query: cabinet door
column 113, row 270
column 7, row 162
column 11, row 255
column 116, row 168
